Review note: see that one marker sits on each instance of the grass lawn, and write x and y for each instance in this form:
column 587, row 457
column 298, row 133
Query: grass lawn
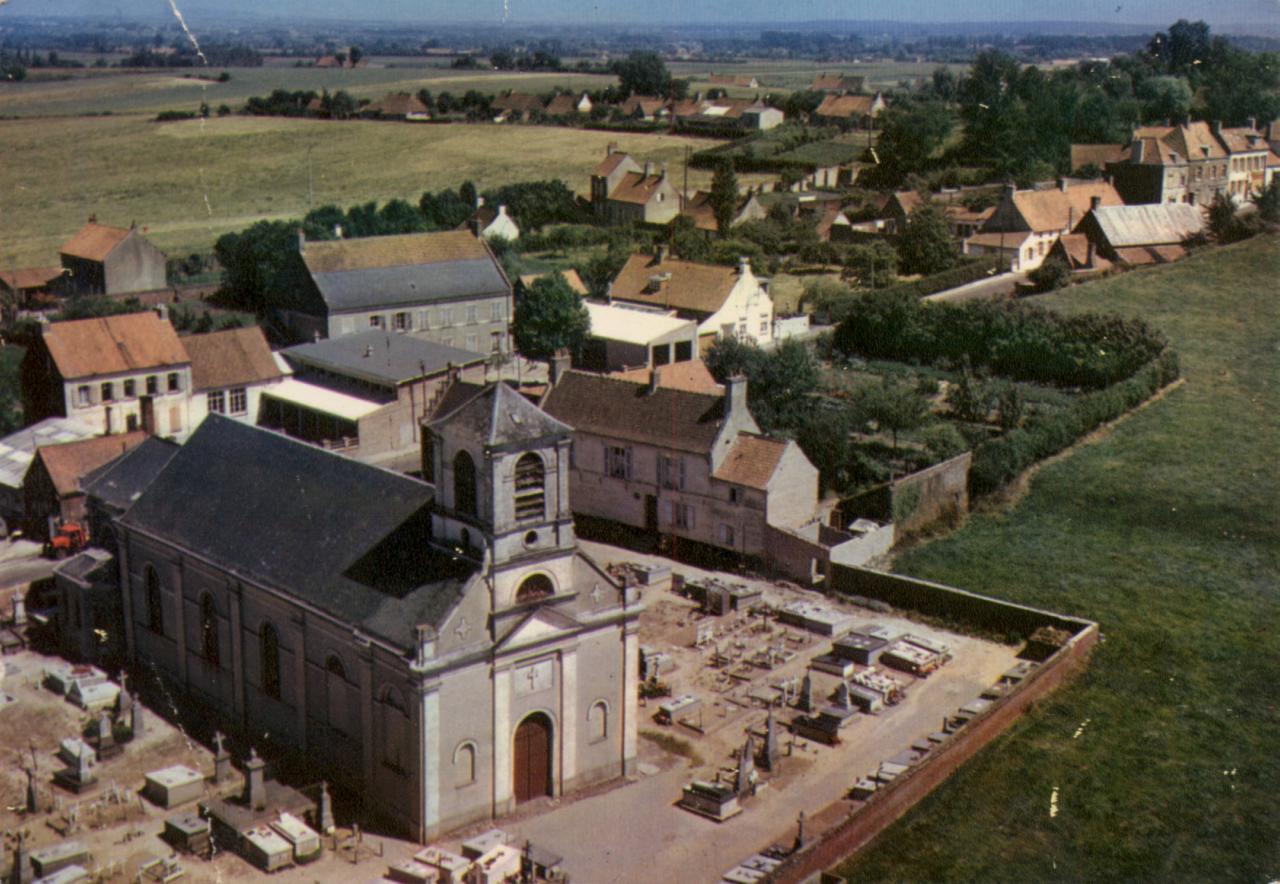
column 189, row 182
column 1167, row 532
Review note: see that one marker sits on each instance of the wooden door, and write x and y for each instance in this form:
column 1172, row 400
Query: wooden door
column 533, row 758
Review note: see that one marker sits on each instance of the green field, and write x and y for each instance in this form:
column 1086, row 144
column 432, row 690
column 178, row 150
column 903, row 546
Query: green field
column 788, row 76
column 106, row 91
column 189, row 182
column 1167, row 531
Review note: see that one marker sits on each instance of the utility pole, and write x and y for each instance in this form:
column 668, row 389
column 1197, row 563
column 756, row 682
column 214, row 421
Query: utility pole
column 684, row 196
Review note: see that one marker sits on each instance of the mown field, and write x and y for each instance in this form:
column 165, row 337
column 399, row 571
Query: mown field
column 189, row 182
column 1166, row 531
column 788, row 76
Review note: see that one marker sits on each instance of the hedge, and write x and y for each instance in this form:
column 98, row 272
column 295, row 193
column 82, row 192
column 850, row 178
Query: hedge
column 966, row 272
column 998, row 461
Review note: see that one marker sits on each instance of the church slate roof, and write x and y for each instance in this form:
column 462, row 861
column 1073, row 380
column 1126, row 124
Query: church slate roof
column 498, row 416
column 340, row 536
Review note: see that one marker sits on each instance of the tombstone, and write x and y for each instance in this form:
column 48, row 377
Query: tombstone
column 769, row 755
column 324, row 813
column 137, row 723
column 78, row 777
column 742, row 783
column 22, row 872
column 124, row 700
column 806, row 694
column 19, row 611
column 799, row 832
column 221, row 759
column 106, row 737
column 255, row 781
column 842, row 696
column 33, row 798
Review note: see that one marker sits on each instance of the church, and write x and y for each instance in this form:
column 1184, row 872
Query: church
column 441, row 648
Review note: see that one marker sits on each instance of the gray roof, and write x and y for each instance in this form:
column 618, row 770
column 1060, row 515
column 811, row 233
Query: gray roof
column 343, row 537
column 83, row 565
column 17, row 450
column 120, row 482
column 380, row 356
column 1149, row 225
column 410, row 284
column 498, row 416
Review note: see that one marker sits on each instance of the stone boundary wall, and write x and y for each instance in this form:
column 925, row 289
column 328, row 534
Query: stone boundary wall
column 891, row 802
column 922, row 498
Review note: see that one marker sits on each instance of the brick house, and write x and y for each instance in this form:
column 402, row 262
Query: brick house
column 117, row 373
column 104, row 260
column 444, row 287
column 624, row 192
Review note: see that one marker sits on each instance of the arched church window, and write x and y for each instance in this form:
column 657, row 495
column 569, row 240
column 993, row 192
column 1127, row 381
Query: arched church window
column 534, row 587
column 531, row 492
column 464, row 484
column 209, row 631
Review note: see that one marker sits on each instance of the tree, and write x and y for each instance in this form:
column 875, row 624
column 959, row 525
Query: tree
column 503, row 60
column 1268, row 202
column 1184, row 46
column 341, row 105
column 1222, row 218
column 601, row 268
column 1165, row 98
column 643, row 73
column 356, row 54
column 724, row 195
column 909, row 136
column 549, row 317
column 687, row 241
column 894, row 406
column 873, row 265
column 1053, row 273
column 926, row 246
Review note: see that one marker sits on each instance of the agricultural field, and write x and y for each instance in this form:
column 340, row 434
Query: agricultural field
column 1164, row 529
column 102, row 91
column 790, row 76
column 189, row 182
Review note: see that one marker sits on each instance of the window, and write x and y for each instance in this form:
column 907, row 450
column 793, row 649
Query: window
column 617, row 462
column 336, row 693
column 534, row 587
column 495, row 311
column 131, row 422
column 735, row 495
column 174, row 382
column 764, row 327
column 424, row 319
column 375, row 322
column 495, row 342
column 108, row 392
column 82, row 395
column 464, row 761
column 239, row 401
column 428, row 457
column 464, row 484
column 153, row 385
column 531, row 475
column 446, row 316
column 598, row 721
column 209, row 631
column 155, row 606
column 395, row 720
column 684, row 516
column 130, row 388
column 671, row 471
column 401, row 322
column 726, row 535
column 217, row 401
column 472, row 343
column 473, row 314
column 269, row 643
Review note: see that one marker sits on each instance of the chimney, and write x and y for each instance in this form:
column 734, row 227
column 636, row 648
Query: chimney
column 1095, row 203
column 663, row 170
column 1137, row 151
column 560, row 363
column 1062, row 184
column 744, row 265
column 255, row 781
column 1090, row 253
column 1009, row 191
column 302, row 241
column 316, row 336
column 1216, row 128
column 479, row 202
column 1253, row 124
column 660, row 253
column 654, row 380
column 162, row 311
column 648, row 169
column 93, row 218
column 735, row 398
column 611, row 148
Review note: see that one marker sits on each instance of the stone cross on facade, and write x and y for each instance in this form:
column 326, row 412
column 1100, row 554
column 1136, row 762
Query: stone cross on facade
column 463, row 629
column 597, row 593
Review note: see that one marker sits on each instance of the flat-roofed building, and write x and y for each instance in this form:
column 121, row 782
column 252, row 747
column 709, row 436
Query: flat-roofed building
column 627, row 337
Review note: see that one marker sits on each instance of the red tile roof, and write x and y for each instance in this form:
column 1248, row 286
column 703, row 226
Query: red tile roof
column 107, row 345
column 701, row 288
column 1058, row 209
column 68, row 463
column 233, row 358
column 30, row 277
column 692, row 376
column 637, row 188
column 751, row 461
column 1095, row 155
column 610, row 163
column 847, row 106
column 95, row 241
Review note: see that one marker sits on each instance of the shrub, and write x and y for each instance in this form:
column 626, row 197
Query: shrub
column 1050, row 275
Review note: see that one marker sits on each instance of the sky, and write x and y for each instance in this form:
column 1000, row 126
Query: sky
column 1154, row 12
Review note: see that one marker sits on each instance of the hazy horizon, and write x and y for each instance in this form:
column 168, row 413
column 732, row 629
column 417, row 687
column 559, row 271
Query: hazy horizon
column 1125, row 14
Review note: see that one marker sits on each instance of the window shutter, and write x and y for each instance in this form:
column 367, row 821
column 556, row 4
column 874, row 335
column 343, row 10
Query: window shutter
column 628, row 463
column 667, row 512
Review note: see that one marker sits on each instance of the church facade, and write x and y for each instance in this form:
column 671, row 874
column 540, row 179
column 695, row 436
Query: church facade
column 442, row 649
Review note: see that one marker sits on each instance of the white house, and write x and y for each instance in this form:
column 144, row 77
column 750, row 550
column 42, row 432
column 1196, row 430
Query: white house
column 229, row 371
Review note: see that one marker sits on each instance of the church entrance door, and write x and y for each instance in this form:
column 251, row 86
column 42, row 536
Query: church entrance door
column 533, row 758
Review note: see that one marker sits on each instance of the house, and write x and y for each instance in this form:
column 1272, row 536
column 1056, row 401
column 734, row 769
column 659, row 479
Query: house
column 1078, row 253
column 692, row 469
column 628, row 336
column 1095, row 156
column 850, row 110
column 1152, row 233
column 103, row 260
column 963, row 221
column 229, row 371
column 722, row 300
column 692, row 376
column 826, row 82
column 445, row 287
column 566, row 104
column 117, row 373
column 1171, row 164
column 719, row 114
column 570, row 276
column 624, row 192
column 23, row 286
column 761, row 117
column 745, row 82
column 1024, row 225
column 52, row 490
column 18, row 450
column 443, row 652
column 489, row 223
column 644, row 107
column 698, row 208
column 365, row 394
column 519, row 106
column 1247, row 155
column 398, row 106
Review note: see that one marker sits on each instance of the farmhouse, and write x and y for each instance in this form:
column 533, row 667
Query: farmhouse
column 624, row 192
column 444, row 653
column 515, row 106
column 722, row 300
column 488, row 223
column 698, row 208
column 850, row 110
column 103, row 260
column 398, row 106
column 23, row 286
column 445, row 287
column 1171, row 164
column 566, row 104
column 826, row 82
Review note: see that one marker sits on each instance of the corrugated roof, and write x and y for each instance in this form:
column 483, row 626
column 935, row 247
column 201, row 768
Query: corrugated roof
column 619, row 409
column 346, row 538
column 751, row 461
column 95, row 241
column 231, row 358
column 633, row 326
column 1149, row 225
column 381, row 357
column 106, row 345
column 70, row 462
column 322, row 399
column 17, row 450
column 700, row 288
